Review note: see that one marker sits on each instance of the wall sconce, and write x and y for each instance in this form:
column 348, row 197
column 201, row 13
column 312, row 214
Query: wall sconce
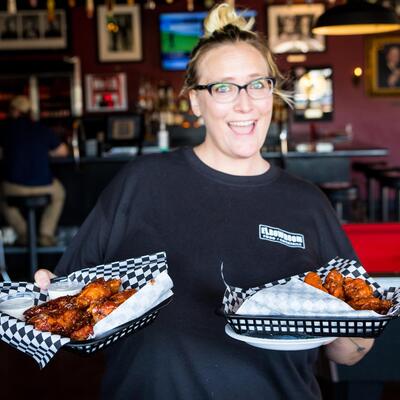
column 357, row 74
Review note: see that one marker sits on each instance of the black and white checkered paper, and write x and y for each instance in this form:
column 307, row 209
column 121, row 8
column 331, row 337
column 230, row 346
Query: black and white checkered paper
column 134, row 273
column 264, row 326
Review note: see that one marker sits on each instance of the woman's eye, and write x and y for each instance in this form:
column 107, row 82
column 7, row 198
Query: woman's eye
column 222, row 88
column 259, row 84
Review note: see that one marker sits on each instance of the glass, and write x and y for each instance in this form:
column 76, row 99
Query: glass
column 226, row 92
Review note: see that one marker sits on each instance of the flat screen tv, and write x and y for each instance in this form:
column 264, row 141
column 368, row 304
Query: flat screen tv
column 179, row 34
column 313, row 94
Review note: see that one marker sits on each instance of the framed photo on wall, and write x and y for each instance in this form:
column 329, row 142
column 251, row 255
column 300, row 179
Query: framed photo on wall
column 106, row 92
column 383, row 65
column 289, row 28
column 119, row 33
column 32, row 30
column 124, row 128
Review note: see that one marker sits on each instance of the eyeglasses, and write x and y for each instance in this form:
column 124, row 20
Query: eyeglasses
column 226, row 92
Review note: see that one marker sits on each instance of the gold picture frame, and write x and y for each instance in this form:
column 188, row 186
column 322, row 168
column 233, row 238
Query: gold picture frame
column 124, row 43
column 383, row 65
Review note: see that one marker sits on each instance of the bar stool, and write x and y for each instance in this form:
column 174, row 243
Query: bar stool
column 29, row 205
column 340, row 193
column 370, row 170
column 3, row 267
column 389, row 180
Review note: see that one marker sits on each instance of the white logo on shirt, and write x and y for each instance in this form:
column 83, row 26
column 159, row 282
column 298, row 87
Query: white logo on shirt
column 278, row 235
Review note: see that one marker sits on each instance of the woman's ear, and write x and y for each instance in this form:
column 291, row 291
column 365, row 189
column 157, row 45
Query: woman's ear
column 194, row 103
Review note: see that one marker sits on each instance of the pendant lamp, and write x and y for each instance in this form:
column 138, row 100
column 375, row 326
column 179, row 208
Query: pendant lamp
column 356, row 17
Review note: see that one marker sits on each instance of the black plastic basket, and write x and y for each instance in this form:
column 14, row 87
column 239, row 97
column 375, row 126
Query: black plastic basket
column 267, row 326
column 92, row 345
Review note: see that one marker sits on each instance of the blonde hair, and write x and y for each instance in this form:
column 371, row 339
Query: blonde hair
column 224, row 25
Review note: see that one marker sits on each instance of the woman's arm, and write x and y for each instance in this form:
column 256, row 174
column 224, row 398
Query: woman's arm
column 348, row 351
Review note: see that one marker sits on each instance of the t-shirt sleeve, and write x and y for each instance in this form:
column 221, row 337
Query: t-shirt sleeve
column 89, row 246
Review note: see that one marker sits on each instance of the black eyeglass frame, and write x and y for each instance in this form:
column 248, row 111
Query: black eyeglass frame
column 240, row 87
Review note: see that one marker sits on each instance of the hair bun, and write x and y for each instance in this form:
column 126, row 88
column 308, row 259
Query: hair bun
column 222, row 15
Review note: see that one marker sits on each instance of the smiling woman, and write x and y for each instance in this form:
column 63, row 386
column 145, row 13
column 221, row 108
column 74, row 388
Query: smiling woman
column 204, row 205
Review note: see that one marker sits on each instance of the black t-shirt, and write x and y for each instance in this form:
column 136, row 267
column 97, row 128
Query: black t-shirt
column 201, row 217
column 26, row 145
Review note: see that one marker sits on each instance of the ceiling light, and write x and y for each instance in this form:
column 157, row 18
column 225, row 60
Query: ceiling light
column 357, row 17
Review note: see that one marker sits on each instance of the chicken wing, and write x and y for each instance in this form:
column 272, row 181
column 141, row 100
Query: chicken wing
column 61, row 322
column 356, row 289
column 74, row 316
column 97, row 290
column 102, row 308
column 334, row 284
column 371, row 303
column 313, row 279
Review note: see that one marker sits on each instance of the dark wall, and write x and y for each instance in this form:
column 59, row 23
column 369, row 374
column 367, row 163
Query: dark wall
column 375, row 120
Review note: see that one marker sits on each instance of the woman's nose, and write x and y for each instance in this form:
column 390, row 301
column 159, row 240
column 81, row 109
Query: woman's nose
column 243, row 102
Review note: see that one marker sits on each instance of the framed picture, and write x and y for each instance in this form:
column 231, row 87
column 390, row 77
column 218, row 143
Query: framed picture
column 124, row 128
column 289, row 28
column 106, row 92
column 313, row 93
column 383, row 65
column 31, row 30
column 119, row 33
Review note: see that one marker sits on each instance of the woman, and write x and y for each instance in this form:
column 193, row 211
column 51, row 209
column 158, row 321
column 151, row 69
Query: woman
column 204, row 206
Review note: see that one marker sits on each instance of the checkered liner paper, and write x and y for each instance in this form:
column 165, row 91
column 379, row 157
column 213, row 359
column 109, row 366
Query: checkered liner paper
column 234, row 296
column 134, row 273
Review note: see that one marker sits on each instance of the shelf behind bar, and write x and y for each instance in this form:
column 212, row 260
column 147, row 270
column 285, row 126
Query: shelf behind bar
column 40, row 250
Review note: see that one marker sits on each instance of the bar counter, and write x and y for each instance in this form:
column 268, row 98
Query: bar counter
column 84, row 179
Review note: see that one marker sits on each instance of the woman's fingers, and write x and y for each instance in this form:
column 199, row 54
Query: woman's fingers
column 42, row 278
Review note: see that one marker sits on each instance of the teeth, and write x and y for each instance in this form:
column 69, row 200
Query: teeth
column 241, row 123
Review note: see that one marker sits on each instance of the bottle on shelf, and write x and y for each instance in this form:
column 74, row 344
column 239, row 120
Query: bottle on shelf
column 163, row 135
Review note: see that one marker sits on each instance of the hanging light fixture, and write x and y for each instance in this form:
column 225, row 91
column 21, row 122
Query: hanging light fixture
column 356, row 17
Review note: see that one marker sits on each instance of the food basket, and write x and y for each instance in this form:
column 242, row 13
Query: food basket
column 134, row 273
column 305, row 326
column 92, row 345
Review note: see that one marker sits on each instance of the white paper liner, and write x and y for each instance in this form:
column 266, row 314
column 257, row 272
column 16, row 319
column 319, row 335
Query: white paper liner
column 150, row 295
column 297, row 298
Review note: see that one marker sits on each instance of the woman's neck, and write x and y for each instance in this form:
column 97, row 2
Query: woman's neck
column 227, row 164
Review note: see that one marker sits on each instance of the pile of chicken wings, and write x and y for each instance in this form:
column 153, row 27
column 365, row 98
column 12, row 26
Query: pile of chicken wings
column 75, row 316
column 354, row 291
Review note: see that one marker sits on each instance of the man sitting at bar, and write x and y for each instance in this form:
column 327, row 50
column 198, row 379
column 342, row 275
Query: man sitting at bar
column 27, row 146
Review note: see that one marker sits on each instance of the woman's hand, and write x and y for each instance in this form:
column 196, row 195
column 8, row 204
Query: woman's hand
column 348, row 351
column 42, row 278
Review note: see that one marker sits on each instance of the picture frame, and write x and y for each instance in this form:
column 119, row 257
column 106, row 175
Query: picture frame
column 289, row 28
column 313, row 93
column 119, row 33
column 106, row 92
column 32, row 30
column 124, row 128
column 383, row 66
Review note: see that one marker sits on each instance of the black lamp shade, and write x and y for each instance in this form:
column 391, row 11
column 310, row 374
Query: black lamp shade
column 356, row 18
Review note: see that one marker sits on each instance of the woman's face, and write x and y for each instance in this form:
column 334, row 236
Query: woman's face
column 236, row 129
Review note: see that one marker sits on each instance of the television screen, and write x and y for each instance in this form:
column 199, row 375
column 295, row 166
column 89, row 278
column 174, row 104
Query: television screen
column 179, row 34
column 313, row 94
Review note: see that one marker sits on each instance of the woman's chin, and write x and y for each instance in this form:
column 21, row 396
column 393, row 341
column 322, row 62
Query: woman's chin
column 247, row 151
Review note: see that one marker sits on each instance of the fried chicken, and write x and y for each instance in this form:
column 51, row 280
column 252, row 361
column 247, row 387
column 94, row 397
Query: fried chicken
column 74, row 316
column 357, row 288
column 313, row 279
column 371, row 303
column 102, row 308
column 97, row 290
column 354, row 291
column 334, row 284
